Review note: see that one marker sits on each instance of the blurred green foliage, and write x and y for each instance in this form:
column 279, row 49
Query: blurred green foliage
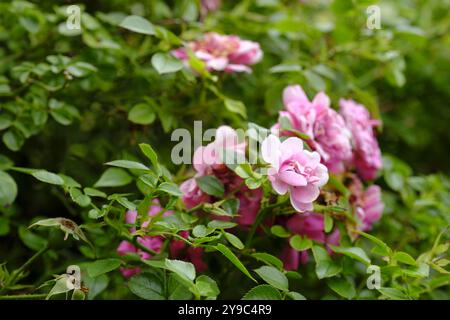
column 72, row 100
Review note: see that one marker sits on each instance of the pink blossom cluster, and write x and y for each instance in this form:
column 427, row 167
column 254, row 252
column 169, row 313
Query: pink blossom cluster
column 227, row 53
column 207, row 160
column 341, row 141
column 366, row 203
column 155, row 243
column 344, row 140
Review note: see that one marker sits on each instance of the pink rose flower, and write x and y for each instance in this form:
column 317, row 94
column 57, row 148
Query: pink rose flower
column 295, row 170
column 192, row 195
column 367, row 154
column 366, row 203
column 326, row 128
column 208, row 160
column 309, row 225
column 222, row 52
column 209, row 157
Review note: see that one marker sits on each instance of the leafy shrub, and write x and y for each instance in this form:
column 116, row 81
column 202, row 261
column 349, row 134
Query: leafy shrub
column 86, row 117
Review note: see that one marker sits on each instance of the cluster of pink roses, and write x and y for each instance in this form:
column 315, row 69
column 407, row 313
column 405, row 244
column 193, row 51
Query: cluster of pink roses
column 339, row 142
column 222, row 52
column 207, row 160
column 343, row 140
column 177, row 247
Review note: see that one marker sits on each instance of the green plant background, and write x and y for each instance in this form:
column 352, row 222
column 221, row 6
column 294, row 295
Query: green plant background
column 66, row 101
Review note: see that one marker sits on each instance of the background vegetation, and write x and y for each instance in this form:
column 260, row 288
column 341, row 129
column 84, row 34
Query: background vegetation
column 66, row 105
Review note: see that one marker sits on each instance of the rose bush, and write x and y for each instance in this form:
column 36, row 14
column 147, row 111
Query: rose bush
column 342, row 188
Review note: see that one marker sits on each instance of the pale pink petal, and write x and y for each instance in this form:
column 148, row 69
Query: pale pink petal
column 292, row 178
column 305, row 194
column 294, row 93
column 300, row 206
column 290, row 146
column 231, row 67
column 270, row 150
column 279, row 186
column 130, row 217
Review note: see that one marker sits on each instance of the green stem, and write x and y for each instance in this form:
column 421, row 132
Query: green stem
column 15, row 274
column 136, row 243
column 24, row 297
column 258, row 221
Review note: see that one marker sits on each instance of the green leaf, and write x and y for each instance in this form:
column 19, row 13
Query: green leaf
column 147, row 286
column 235, row 241
column 94, row 193
column 32, row 240
column 219, row 224
column 280, row 231
column 295, row 295
column 236, row 106
column 183, row 269
column 314, row 80
column 381, row 247
column 149, row 179
column 127, row 164
column 5, row 162
column 148, row 151
column 210, row 185
column 235, row 260
column 200, row 231
column 59, row 287
column 262, row 292
column 393, row 293
column 79, row 198
column 47, row 177
column 274, row 277
column 268, row 259
column 138, row 24
column 207, row 287
column 231, row 206
column 404, row 258
column 342, row 286
column 253, row 183
column 325, row 266
column 142, row 113
column 78, row 294
column 353, row 252
column 177, row 290
column 69, row 182
column 170, row 188
column 13, row 140
column 166, row 63
column 328, row 221
column 100, row 267
column 126, row 203
column 8, row 189
column 114, row 177
column 299, row 243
